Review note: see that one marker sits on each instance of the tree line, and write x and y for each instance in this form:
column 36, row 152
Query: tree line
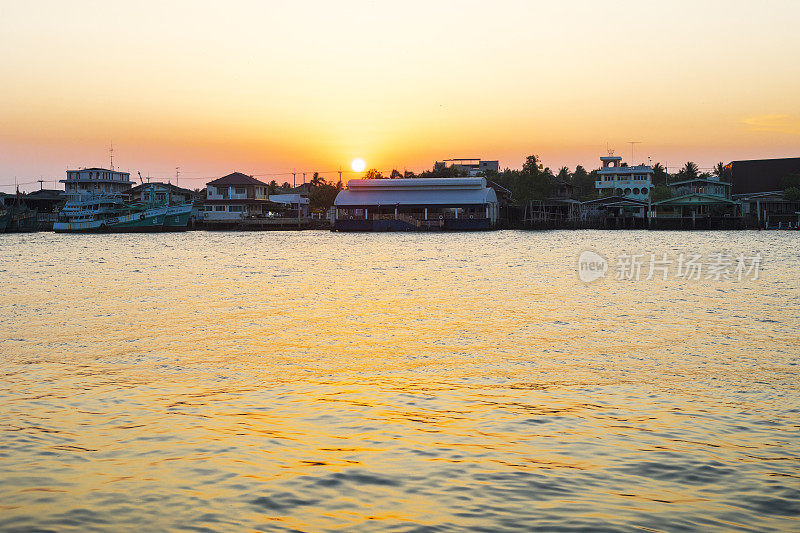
column 533, row 181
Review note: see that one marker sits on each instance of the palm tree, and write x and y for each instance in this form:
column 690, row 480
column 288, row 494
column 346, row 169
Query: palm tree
column 659, row 174
column 316, row 181
column 689, row 171
column 719, row 168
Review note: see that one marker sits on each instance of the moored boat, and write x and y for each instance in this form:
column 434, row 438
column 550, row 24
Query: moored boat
column 108, row 213
column 176, row 217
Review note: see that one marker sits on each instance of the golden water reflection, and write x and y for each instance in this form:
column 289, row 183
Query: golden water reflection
column 313, row 381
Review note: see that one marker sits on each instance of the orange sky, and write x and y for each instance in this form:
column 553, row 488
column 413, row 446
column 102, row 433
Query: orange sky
column 267, row 87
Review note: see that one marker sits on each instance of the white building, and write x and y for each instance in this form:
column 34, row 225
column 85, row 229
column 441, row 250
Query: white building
column 233, row 197
column 88, row 182
column 617, row 180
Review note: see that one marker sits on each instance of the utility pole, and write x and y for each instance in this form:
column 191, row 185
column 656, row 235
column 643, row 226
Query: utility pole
column 304, row 178
column 111, row 151
column 41, row 184
column 294, row 180
column 177, row 175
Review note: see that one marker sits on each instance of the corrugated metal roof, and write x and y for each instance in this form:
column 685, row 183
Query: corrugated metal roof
column 416, row 191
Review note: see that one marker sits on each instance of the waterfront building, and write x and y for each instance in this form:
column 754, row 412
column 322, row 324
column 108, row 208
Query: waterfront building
column 158, row 192
column 697, row 197
column 615, row 212
column 559, row 207
column 761, row 175
column 770, row 210
column 88, row 182
column 233, row 197
column 616, row 179
column 471, row 166
column 296, row 204
column 415, row 204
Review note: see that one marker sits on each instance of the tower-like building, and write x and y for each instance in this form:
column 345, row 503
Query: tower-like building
column 618, row 180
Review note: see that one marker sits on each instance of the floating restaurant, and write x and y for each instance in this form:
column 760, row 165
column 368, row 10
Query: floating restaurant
column 415, row 204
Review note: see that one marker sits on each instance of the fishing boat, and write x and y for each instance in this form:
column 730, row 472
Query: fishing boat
column 177, row 217
column 108, row 213
column 22, row 220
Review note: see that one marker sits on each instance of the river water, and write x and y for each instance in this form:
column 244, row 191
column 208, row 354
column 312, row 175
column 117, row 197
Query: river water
column 283, row 381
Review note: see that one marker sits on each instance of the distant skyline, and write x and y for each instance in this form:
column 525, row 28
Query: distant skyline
column 270, row 87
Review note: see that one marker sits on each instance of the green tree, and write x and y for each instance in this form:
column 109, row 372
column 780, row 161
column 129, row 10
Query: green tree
column 792, row 180
column 441, row 170
column 659, row 175
column 564, row 174
column 273, row 187
column 660, row 192
column 396, row 174
column 317, row 180
column 583, row 184
column 322, row 196
column 689, row 171
column 532, row 183
column 792, row 194
column 719, row 169
column 373, row 174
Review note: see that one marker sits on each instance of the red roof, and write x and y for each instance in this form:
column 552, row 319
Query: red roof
column 237, row 178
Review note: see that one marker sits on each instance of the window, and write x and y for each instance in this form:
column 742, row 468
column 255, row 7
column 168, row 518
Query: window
column 236, row 208
column 219, row 208
column 240, row 190
column 209, row 208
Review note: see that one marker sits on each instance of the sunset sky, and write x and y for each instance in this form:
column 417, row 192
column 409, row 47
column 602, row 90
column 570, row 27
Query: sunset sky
column 268, row 87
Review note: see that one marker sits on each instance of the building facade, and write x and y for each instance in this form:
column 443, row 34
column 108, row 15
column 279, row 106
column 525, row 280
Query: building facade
column 619, row 180
column 87, row 182
column 296, row 204
column 698, row 197
column 237, row 196
column 771, row 210
column 157, row 192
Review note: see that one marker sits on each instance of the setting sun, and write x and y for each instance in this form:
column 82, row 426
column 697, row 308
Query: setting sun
column 358, row 164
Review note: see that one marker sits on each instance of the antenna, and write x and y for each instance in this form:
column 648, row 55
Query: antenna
column 177, row 175
column 609, row 150
column 111, row 151
column 633, row 144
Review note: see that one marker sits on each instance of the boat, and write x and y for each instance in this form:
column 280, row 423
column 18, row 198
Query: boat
column 18, row 219
column 177, row 217
column 108, row 213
